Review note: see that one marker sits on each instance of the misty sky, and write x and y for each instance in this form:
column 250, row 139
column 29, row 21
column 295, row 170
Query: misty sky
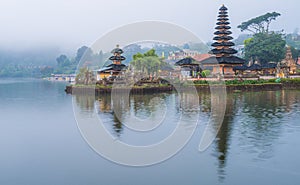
column 69, row 24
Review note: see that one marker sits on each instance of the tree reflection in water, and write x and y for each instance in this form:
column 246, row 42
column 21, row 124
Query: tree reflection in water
column 253, row 121
column 259, row 119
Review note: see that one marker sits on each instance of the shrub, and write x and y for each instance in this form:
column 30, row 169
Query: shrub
column 290, row 81
column 200, row 82
column 205, row 73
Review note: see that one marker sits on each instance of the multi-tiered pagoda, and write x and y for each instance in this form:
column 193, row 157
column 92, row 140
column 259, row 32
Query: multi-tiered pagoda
column 115, row 68
column 223, row 60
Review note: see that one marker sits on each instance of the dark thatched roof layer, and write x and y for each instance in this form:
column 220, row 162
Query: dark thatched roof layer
column 187, row 61
column 217, row 44
column 223, row 60
column 223, row 33
column 117, row 50
column 113, row 67
column 223, row 38
column 269, row 66
column 223, row 13
column 223, row 8
column 223, row 19
column 224, row 51
column 119, row 58
column 223, row 23
column 254, row 67
column 222, row 27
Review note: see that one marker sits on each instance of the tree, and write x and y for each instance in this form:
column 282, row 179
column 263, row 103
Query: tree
column 260, row 24
column 295, row 53
column 46, row 71
column 85, row 76
column 84, row 53
column 150, row 53
column 64, row 65
column 265, row 47
column 63, row 61
column 148, row 63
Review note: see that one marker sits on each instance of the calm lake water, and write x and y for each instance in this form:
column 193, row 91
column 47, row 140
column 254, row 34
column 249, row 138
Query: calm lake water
column 41, row 143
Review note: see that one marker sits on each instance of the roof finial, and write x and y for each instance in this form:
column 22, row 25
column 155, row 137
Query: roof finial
column 117, row 45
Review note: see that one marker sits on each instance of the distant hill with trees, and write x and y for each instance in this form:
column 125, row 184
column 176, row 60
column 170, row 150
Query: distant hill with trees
column 26, row 63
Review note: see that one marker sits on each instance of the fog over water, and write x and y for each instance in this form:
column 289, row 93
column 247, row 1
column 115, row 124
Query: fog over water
column 70, row 24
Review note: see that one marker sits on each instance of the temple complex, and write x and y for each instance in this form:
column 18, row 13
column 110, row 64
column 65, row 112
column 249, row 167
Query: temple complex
column 114, row 69
column 286, row 67
column 223, row 60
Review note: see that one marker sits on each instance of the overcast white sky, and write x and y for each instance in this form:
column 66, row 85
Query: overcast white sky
column 72, row 23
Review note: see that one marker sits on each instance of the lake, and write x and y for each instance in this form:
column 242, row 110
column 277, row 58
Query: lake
column 41, row 143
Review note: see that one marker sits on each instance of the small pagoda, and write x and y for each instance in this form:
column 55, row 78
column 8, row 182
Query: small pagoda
column 223, row 60
column 115, row 68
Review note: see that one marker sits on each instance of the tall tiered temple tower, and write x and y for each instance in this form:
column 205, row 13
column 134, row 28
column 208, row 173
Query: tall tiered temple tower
column 223, row 44
column 223, row 60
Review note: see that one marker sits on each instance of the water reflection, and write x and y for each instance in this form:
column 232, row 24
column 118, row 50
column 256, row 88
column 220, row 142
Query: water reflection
column 117, row 126
column 86, row 103
column 222, row 141
column 256, row 120
column 253, row 122
column 263, row 116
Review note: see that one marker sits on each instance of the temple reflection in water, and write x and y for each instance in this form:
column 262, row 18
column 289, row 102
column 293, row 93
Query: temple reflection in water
column 253, row 121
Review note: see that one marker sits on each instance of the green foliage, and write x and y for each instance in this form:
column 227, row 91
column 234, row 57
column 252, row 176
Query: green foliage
column 84, row 55
column 64, row 65
column 244, row 82
column 46, row 71
column 295, row 53
column 200, row 82
column 259, row 24
column 148, row 62
column 278, row 80
column 150, row 53
column 266, row 47
column 26, row 63
column 205, row 73
column 11, row 70
column 247, row 41
column 63, row 61
column 138, row 56
column 290, row 80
